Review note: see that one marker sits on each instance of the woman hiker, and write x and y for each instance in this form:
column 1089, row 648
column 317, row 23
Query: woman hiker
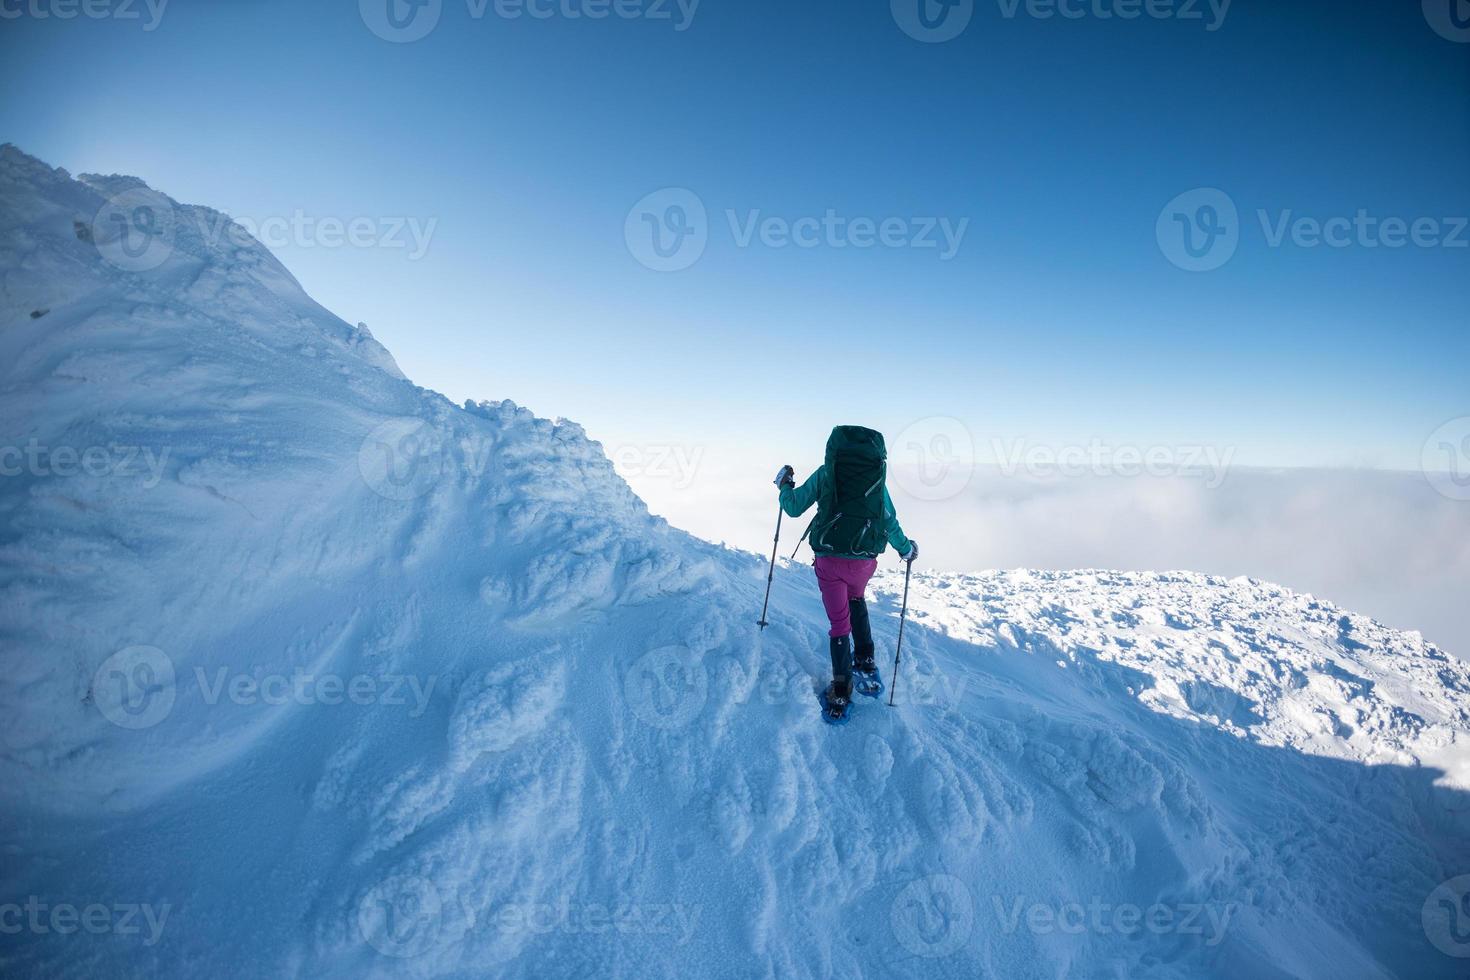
column 855, row 522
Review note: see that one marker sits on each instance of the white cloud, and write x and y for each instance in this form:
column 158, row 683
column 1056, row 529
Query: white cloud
column 1380, row 543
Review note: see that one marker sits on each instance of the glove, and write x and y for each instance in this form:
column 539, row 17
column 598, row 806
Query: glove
column 913, row 551
column 784, row 477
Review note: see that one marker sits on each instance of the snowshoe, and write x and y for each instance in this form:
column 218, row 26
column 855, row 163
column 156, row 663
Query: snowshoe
column 867, row 682
column 835, row 707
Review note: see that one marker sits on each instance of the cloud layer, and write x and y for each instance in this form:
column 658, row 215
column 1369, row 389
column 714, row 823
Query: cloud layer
column 1380, row 543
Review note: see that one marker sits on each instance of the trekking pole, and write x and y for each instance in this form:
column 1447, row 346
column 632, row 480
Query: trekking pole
column 771, row 573
column 802, row 538
column 898, row 650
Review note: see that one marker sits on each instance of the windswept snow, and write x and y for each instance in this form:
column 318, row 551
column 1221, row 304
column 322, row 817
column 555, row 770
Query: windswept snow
column 310, row 671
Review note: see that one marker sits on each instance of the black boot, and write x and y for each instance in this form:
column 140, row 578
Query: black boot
column 862, row 637
column 841, row 647
column 838, row 696
column 865, row 669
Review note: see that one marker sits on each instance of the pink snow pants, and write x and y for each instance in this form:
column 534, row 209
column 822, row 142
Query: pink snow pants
column 840, row 580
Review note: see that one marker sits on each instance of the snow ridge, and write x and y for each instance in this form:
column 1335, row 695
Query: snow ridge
column 572, row 753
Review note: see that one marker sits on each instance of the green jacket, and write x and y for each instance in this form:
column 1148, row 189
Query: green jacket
column 817, row 489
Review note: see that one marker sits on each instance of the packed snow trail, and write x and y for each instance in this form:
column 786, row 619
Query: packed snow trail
column 350, row 681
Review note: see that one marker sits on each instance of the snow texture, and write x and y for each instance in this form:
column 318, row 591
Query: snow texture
column 320, row 674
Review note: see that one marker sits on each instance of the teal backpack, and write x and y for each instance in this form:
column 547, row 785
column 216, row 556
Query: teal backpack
column 850, row 519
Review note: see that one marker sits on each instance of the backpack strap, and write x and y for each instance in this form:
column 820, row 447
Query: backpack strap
column 803, row 536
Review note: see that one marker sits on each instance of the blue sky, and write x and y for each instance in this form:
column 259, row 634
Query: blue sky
column 527, row 140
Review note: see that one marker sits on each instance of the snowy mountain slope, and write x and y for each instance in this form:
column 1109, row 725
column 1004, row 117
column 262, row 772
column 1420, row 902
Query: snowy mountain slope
column 351, row 681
